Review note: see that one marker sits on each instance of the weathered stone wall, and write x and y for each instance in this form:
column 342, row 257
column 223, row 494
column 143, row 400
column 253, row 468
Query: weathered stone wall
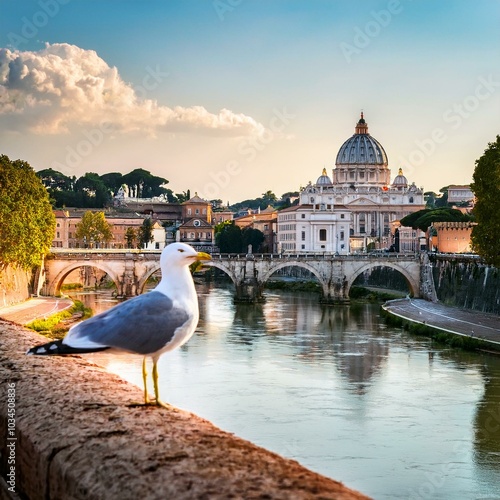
column 14, row 286
column 466, row 282
column 76, row 436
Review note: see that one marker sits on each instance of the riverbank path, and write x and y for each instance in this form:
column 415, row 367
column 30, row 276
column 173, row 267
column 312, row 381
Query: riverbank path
column 463, row 322
column 34, row 308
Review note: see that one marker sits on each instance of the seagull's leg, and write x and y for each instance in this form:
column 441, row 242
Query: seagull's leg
column 155, row 383
column 144, row 378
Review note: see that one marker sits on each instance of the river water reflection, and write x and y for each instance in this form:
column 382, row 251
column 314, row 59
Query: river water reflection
column 389, row 414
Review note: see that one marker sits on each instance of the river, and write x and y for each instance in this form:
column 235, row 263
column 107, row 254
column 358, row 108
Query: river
column 385, row 412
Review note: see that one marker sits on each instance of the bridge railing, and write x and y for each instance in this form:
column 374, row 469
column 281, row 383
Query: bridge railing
column 312, row 256
column 141, row 253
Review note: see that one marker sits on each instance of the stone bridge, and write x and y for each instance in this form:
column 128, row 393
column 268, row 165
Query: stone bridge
column 130, row 269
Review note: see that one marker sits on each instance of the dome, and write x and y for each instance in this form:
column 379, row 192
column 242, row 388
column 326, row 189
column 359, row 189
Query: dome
column 323, row 179
column 400, row 180
column 361, row 148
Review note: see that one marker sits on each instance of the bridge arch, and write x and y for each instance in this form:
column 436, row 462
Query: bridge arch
column 304, row 265
column 412, row 285
column 56, row 283
column 141, row 284
column 222, row 267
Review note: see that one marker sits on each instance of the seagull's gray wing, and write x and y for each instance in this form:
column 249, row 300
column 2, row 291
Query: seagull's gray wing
column 143, row 324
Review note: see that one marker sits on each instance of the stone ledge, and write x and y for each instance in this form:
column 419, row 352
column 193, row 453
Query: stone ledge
column 77, row 438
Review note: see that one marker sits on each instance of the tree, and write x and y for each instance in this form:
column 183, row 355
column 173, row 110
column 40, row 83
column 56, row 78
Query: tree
column 251, row 236
column 93, row 192
column 52, row 179
column 143, row 184
column 229, row 238
column 486, row 188
column 269, row 198
column 27, row 221
column 184, row 196
column 113, row 181
column 130, row 237
column 94, row 229
column 424, row 218
column 442, row 201
column 145, row 233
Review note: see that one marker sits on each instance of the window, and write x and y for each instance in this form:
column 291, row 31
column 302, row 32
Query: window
column 189, row 211
column 341, row 235
column 266, row 227
column 204, row 211
column 322, row 235
column 411, row 199
column 303, row 236
column 303, row 247
column 362, row 220
column 342, row 216
column 157, row 245
column 196, row 222
column 197, row 211
column 58, row 236
column 303, row 216
column 191, row 235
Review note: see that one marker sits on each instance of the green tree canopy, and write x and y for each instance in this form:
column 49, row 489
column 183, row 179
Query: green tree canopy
column 52, row 179
column 130, row 237
column 486, row 187
column 251, row 236
column 27, row 221
column 145, row 233
column 92, row 191
column 424, row 218
column 94, row 229
column 113, row 181
column 228, row 238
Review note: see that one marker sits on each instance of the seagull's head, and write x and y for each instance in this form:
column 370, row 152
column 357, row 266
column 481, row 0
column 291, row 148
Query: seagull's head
column 180, row 255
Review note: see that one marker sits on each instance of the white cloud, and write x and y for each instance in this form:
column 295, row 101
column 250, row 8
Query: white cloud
column 63, row 85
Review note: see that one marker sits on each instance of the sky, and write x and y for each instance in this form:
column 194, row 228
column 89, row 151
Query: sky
column 232, row 98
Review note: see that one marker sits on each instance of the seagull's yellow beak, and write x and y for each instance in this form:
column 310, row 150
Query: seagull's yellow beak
column 203, row 256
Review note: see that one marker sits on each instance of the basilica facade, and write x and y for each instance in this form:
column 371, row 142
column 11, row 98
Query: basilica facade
column 355, row 208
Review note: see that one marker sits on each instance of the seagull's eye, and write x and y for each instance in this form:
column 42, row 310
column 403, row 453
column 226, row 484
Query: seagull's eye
column 180, row 250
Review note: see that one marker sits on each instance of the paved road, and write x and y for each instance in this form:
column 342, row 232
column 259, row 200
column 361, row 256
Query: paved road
column 462, row 322
column 37, row 307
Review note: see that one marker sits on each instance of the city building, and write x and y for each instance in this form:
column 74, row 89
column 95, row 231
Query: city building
column 265, row 221
column 451, row 237
column 66, row 225
column 314, row 227
column 359, row 193
column 460, row 194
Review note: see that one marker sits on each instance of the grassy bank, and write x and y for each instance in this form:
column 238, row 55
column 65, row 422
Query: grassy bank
column 57, row 325
column 294, row 286
column 439, row 336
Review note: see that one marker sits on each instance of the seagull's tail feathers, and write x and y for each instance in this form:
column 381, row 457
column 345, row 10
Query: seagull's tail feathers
column 57, row 347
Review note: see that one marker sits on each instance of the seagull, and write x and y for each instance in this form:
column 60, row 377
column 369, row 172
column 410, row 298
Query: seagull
column 149, row 324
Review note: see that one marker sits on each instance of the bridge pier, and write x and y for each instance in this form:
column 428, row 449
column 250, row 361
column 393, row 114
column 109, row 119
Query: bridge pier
column 128, row 285
column 335, row 292
column 249, row 292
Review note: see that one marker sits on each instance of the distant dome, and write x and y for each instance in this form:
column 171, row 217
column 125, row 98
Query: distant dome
column 361, row 148
column 323, row 179
column 400, row 180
